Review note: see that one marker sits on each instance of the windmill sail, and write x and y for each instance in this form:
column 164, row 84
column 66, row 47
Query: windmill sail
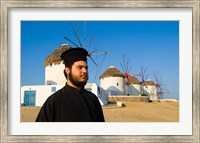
column 143, row 76
column 160, row 86
column 93, row 56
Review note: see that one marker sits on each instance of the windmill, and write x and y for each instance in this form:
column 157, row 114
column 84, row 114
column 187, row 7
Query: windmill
column 98, row 62
column 143, row 76
column 159, row 86
column 126, row 70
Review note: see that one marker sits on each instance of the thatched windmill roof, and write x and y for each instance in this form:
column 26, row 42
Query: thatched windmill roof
column 112, row 72
column 54, row 58
column 149, row 82
column 133, row 80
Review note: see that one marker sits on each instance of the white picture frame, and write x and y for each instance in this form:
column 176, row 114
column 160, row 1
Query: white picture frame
column 6, row 6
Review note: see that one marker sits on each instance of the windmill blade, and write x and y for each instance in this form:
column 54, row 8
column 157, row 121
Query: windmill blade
column 100, row 66
column 93, row 60
column 129, row 70
column 84, row 35
column 125, row 66
column 76, row 35
column 159, row 85
column 96, row 63
column 70, row 41
column 146, row 77
column 122, row 67
column 125, row 63
column 143, row 73
column 128, row 61
column 90, row 43
column 155, row 77
column 161, row 93
column 160, row 78
column 126, row 69
column 92, row 52
column 97, row 53
column 78, row 31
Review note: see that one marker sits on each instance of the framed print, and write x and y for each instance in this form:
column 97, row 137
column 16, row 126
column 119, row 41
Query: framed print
column 14, row 13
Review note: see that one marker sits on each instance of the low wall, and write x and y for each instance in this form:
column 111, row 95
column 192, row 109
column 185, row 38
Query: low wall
column 128, row 98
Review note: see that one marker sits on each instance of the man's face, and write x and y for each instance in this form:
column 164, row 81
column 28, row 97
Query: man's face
column 78, row 75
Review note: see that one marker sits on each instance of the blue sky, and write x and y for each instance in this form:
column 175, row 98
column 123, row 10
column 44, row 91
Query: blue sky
column 152, row 44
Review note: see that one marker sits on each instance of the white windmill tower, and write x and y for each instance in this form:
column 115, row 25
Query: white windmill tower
column 131, row 83
column 54, row 64
column 151, row 90
column 112, row 81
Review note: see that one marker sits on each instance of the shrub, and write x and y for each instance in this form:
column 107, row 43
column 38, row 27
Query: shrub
column 144, row 94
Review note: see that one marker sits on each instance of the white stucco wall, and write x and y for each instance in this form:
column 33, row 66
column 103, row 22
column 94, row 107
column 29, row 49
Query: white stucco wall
column 133, row 89
column 54, row 74
column 99, row 92
column 42, row 92
column 113, row 85
column 151, row 91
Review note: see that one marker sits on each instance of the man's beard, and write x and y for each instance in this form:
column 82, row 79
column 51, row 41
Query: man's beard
column 75, row 81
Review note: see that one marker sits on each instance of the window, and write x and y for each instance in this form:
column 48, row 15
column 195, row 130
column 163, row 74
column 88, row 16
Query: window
column 117, row 84
column 53, row 89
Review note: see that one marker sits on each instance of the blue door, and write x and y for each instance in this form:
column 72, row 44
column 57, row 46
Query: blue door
column 29, row 98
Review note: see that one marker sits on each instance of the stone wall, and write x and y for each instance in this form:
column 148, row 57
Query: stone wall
column 128, row 98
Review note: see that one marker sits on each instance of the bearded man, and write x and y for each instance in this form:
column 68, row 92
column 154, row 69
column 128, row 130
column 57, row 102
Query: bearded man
column 72, row 103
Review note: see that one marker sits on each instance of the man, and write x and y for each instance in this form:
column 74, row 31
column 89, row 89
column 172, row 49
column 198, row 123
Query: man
column 72, row 103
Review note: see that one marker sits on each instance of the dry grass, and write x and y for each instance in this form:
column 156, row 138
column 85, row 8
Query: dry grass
column 131, row 112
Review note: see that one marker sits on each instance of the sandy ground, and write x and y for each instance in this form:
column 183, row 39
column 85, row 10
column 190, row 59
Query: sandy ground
column 143, row 112
column 130, row 112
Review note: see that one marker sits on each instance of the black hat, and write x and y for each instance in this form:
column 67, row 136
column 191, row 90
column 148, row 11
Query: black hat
column 75, row 54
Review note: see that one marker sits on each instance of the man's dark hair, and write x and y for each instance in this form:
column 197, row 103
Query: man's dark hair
column 65, row 74
column 70, row 67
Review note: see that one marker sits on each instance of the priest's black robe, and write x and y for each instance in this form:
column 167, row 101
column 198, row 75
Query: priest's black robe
column 71, row 105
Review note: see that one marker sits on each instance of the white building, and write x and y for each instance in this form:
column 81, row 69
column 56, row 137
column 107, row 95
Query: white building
column 150, row 89
column 37, row 95
column 54, row 80
column 54, row 66
column 98, row 91
column 112, row 81
column 134, row 87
